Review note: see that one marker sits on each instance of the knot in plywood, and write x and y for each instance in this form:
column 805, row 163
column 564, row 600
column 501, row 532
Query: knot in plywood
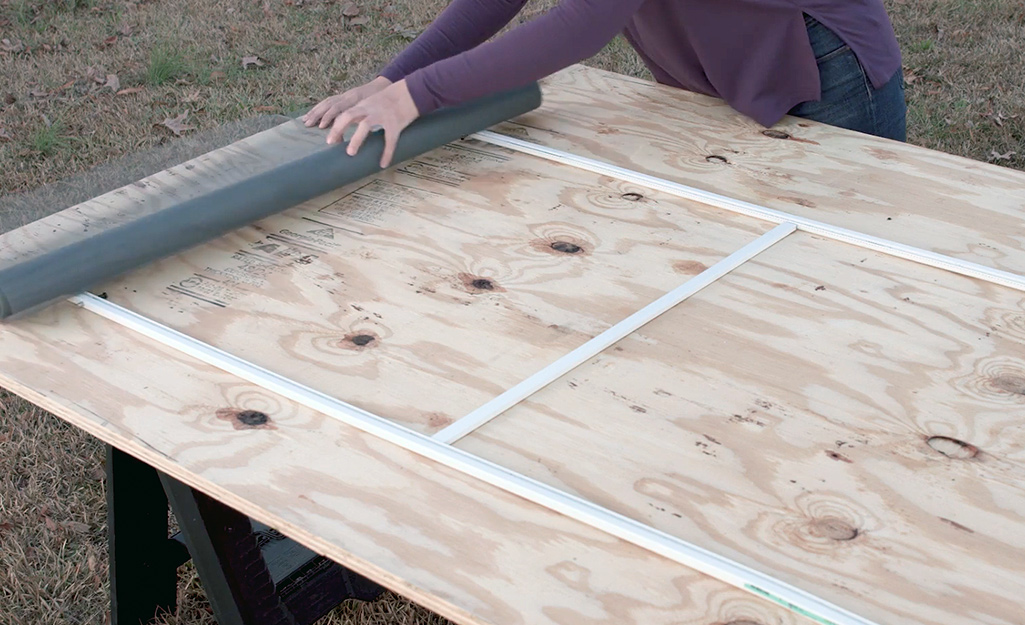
column 1013, row 384
column 479, row 284
column 952, row 447
column 833, row 529
column 999, row 379
column 246, row 419
column 566, row 247
column 252, row 417
column 359, row 340
column 362, row 339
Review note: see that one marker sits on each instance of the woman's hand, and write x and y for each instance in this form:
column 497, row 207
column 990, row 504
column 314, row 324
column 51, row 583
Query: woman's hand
column 328, row 109
column 391, row 110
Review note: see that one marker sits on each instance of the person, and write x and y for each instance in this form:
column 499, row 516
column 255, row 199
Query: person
column 834, row 61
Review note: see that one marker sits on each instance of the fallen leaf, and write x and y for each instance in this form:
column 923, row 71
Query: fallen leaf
column 113, row 82
column 996, row 156
column 76, row 526
column 98, row 474
column 109, row 41
column 265, row 109
column 358, row 22
column 10, row 98
column 177, row 124
column 126, row 30
column 406, row 31
column 192, row 97
column 130, row 90
column 50, row 525
column 6, row 526
column 4, row 135
column 350, row 9
column 218, row 75
column 11, row 46
column 251, row 60
column 266, row 9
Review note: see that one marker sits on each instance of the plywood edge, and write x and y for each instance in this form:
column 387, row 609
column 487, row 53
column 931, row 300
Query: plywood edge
column 76, row 415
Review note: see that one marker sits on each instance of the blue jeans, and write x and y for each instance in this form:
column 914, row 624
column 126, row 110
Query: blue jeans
column 848, row 98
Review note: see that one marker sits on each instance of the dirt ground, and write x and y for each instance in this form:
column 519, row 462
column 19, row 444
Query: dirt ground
column 86, row 81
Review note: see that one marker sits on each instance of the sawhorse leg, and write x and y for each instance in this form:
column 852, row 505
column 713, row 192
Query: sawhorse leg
column 143, row 560
column 252, row 574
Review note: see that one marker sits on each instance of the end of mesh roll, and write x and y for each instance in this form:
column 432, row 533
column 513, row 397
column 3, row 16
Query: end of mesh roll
column 5, row 306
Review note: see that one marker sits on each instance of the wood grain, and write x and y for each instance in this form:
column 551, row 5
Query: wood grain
column 851, row 423
column 424, row 292
column 947, row 204
column 462, row 548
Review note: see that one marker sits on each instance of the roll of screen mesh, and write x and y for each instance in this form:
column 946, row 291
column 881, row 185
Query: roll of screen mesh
column 77, row 266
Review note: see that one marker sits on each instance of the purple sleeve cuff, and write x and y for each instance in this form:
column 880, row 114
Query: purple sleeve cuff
column 425, row 101
column 392, row 73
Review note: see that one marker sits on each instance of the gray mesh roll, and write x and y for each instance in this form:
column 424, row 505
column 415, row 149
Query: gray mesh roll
column 78, row 266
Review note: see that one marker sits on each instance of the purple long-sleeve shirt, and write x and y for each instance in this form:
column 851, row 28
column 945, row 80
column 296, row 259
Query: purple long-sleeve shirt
column 754, row 54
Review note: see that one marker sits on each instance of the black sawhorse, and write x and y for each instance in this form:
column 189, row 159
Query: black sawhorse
column 252, row 574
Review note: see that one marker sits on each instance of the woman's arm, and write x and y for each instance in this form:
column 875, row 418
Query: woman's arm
column 570, row 32
column 463, row 25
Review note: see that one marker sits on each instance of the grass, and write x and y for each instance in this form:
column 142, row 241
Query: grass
column 49, row 138
column 165, row 64
column 965, row 69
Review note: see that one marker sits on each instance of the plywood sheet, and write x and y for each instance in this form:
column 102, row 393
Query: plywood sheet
column 422, row 293
column 457, row 546
column 849, row 422
column 928, row 199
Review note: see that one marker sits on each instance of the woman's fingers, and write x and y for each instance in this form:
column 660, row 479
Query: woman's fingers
column 317, row 112
column 342, row 123
column 391, row 109
column 391, row 139
column 327, row 110
column 324, row 113
column 358, row 137
column 337, row 108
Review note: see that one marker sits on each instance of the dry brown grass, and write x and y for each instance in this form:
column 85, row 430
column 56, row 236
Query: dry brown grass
column 965, row 65
column 966, row 96
column 53, row 559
